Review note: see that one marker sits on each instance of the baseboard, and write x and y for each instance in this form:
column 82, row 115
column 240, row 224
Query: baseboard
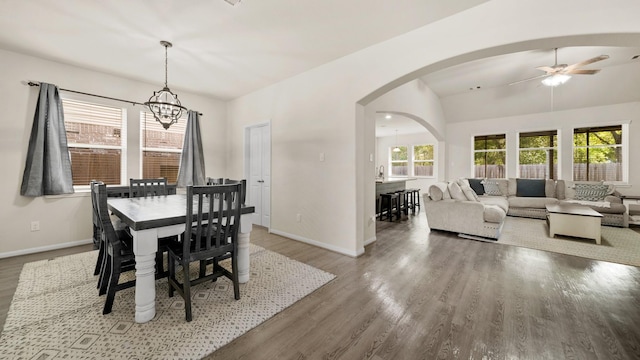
column 370, row 241
column 319, row 244
column 45, row 248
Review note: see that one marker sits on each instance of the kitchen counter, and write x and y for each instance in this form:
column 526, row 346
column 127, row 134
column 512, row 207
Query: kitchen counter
column 391, row 185
column 393, row 180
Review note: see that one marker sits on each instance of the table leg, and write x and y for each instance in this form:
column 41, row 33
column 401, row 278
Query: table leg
column 145, row 245
column 243, row 248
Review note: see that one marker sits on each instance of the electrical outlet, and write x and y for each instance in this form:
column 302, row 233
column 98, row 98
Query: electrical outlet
column 298, row 217
column 35, row 226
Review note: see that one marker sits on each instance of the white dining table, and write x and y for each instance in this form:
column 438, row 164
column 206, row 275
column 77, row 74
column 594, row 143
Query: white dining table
column 151, row 218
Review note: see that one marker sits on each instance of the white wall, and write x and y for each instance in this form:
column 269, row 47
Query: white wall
column 323, row 110
column 67, row 219
column 459, row 137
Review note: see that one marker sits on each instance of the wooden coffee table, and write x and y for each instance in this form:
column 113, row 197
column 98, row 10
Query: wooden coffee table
column 574, row 220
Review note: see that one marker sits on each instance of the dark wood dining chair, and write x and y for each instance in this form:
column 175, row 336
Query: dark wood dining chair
column 215, row 181
column 118, row 250
column 243, row 188
column 153, row 187
column 147, row 187
column 216, row 207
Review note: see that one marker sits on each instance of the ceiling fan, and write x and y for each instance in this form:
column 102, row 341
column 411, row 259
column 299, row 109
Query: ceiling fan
column 559, row 74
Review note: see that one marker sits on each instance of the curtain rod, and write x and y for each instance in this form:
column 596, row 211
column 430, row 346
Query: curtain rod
column 33, row 83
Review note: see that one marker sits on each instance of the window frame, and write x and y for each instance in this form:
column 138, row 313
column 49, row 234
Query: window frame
column 554, row 147
column 123, row 138
column 144, row 115
column 432, row 161
column 624, row 149
column 474, row 138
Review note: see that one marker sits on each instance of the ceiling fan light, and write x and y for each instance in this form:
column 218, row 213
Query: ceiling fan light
column 555, row 80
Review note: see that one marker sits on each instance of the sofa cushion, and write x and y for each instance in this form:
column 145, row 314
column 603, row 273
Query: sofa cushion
column 613, row 208
column 550, row 188
column 560, row 189
column 499, row 201
column 530, row 202
column 476, row 185
column 530, row 187
column 467, row 190
column 439, row 191
column 456, row 191
column 493, row 214
column 591, row 192
column 512, row 187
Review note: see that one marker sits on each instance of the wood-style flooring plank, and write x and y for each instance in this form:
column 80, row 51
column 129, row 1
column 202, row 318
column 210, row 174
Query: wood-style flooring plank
column 416, row 294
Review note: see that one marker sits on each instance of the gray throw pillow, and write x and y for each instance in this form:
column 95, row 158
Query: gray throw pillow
column 591, row 192
column 530, row 187
column 491, row 188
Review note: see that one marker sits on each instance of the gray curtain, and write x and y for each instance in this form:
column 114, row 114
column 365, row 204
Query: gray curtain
column 191, row 170
column 48, row 167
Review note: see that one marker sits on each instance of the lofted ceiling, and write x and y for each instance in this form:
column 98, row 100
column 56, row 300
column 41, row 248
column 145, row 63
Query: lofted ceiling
column 218, row 50
column 228, row 51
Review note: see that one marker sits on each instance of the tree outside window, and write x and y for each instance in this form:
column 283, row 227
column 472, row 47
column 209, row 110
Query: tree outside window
column 423, row 160
column 597, row 154
column 490, row 155
column 399, row 161
column 538, row 155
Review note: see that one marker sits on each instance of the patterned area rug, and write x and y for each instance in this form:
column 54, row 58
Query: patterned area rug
column 56, row 311
column 618, row 245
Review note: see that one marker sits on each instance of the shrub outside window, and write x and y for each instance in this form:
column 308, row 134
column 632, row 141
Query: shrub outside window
column 490, row 156
column 538, row 155
column 95, row 136
column 423, row 160
column 597, row 154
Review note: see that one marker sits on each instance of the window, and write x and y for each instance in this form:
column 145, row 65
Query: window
column 597, row 154
column 490, row 155
column 161, row 149
column 538, row 156
column 423, row 160
column 399, row 161
column 95, row 136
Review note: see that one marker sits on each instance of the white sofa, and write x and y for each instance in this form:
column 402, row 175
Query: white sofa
column 454, row 206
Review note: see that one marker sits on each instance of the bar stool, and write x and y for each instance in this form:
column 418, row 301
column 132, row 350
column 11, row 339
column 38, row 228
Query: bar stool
column 389, row 202
column 415, row 199
column 403, row 201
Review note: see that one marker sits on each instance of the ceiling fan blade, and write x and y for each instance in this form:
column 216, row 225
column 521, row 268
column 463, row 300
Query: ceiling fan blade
column 548, row 69
column 587, row 62
column 531, row 78
column 582, row 71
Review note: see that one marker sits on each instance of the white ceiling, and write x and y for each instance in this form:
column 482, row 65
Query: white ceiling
column 218, row 50
column 228, row 51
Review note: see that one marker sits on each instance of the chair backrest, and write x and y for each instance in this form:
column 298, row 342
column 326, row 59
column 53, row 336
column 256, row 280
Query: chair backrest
column 99, row 199
column 243, row 188
column 147, row 187
column 215, row 181
column 216, row 207
column 96, row 219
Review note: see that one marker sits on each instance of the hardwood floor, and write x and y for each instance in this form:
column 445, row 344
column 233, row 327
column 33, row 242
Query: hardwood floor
column 420, row 295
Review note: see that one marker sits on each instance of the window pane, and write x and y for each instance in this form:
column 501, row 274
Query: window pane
column 157, row 137
column 423, row 168
column 534, row 164
column 90, row 128
column 423, row 152
column 399, row 155
column 160, row 164
column 95, row 164
column 399, row 169
column 597, row 154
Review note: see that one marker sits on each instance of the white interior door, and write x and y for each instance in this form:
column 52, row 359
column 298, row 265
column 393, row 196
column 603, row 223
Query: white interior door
column 260, row 173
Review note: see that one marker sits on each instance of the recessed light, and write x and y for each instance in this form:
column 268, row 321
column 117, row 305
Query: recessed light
column 388, row 117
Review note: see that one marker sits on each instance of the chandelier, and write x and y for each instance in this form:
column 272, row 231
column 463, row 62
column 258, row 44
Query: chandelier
column 164, row 104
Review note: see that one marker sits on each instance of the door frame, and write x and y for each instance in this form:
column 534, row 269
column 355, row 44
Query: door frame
column 247, row 154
